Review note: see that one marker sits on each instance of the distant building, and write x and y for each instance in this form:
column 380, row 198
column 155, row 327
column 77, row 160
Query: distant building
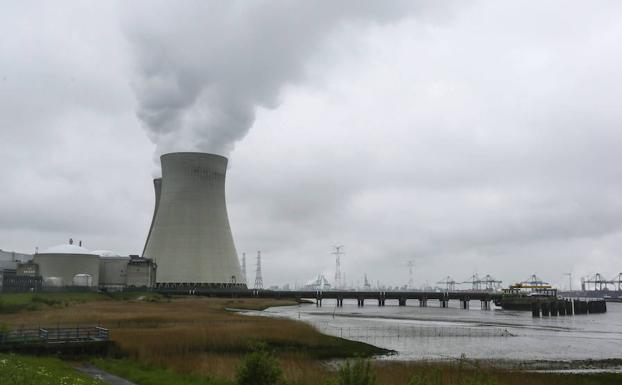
column 11, row 282
column 141, row 272
column 13, row 256
column 73, row 266
column 318, row 283
column 112, row 270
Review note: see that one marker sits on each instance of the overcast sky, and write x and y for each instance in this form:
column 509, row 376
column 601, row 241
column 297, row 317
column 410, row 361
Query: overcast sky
column 469, row 137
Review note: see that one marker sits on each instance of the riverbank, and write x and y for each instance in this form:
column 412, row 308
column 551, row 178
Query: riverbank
column 190, row 341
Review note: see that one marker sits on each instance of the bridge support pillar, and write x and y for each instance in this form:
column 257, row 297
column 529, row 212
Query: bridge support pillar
column 569, row 307
column 444, row 303
column 402, row 301
column 318, row 302
column 423, row 302
column 485, row 304
column 339, row 302
column 464, row 304
column 553, row 308
column 580, row 307
column 535, row 309
column 546, row 309
column 361, row 302
column 380, row 301
column 561, row 308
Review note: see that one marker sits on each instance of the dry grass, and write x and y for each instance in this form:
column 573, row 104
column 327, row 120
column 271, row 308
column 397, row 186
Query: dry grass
column 196, row 335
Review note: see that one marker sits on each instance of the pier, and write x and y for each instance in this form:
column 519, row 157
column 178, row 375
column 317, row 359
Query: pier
column 551, row 306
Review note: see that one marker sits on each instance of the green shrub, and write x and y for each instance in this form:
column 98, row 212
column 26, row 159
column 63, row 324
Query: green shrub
column 259, row 368
column 357, row 373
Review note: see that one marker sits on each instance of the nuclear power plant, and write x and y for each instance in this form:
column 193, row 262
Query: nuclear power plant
column 190, row 238
column 189, row 243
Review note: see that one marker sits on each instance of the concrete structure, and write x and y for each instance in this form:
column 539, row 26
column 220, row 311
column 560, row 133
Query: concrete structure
column 141, row 272
column 112, row 270
column 190, row 239
column 28, row 269
column 14, row 256
column 157, row 189
column 63, row 262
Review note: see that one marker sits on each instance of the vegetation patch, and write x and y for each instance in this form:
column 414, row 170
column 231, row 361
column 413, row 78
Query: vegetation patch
column 23, row 370
column 196, row 341
column 144, row 374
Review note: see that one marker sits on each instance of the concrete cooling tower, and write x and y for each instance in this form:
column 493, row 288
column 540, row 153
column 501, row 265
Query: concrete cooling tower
column 190, row 239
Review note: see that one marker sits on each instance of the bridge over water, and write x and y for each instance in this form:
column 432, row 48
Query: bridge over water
column 379, row 297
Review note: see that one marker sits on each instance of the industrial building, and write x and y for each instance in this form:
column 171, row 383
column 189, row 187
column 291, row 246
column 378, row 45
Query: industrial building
column 73, row 266
column 190, row 238
column 189, row 243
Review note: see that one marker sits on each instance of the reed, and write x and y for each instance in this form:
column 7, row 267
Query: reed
column 196, row 341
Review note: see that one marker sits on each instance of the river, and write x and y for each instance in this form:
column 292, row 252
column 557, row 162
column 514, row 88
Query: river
column 430, row 333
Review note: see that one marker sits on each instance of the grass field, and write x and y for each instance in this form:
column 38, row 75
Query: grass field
column 195, row 341
column 21, row 370
column 18, row 302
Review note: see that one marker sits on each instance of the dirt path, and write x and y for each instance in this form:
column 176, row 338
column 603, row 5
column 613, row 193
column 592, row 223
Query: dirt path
column 102, row 375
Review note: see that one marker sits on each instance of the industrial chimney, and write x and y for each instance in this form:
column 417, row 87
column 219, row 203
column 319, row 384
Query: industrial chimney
column 190, row 238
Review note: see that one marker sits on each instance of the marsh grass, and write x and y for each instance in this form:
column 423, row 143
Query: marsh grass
column 195, row 341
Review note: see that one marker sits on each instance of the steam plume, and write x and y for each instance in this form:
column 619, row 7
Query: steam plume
column 203, row 67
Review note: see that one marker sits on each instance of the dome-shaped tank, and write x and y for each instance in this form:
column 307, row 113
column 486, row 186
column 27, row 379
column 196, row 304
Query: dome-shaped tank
column 60, row 264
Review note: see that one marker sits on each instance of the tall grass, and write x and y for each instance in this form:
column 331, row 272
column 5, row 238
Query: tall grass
column 195, row 339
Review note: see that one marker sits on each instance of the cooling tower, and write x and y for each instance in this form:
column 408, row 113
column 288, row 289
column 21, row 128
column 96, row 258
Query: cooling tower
column 157, row 188
column 190, row 239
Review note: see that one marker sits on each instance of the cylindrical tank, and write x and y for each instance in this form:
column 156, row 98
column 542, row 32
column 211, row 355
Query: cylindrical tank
column 190, row 238
column 66, row 261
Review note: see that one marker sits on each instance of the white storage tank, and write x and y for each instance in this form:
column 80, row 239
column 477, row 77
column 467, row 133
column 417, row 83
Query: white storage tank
column 83, row 280
column 64, row 262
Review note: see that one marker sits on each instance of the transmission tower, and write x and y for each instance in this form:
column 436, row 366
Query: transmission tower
column 338, row 253
column 411, row 282
column 258, row 278
column 243, row 267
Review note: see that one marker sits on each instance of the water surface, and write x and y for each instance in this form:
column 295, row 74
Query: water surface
column 436, row 333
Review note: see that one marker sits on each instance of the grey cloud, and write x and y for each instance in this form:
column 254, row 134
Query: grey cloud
column 478, row 137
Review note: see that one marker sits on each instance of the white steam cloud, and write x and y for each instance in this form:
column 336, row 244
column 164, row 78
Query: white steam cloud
column 203, row 67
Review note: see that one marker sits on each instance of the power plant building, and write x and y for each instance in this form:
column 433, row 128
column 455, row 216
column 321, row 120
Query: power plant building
column 112, row 269
column 190, row 238
column 72, row 266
